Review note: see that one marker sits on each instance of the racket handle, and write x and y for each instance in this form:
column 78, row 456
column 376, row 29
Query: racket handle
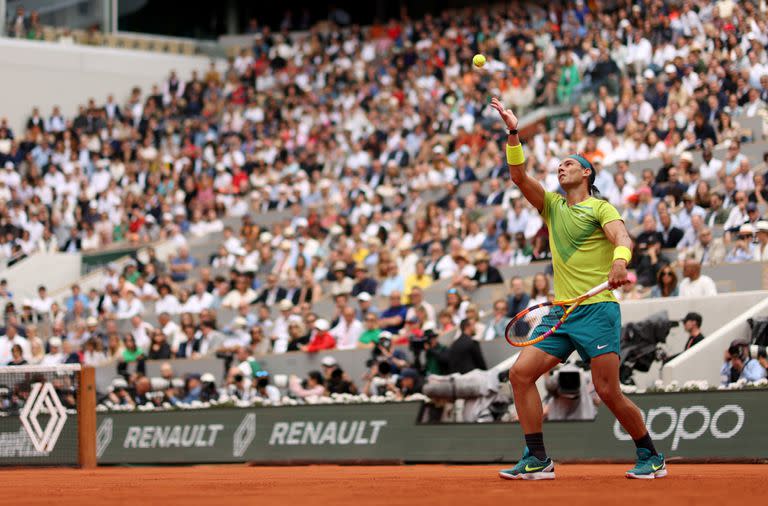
column 599, row 288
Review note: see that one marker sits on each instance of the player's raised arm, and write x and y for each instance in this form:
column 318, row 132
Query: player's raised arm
column 530, row 188
column 616, row 232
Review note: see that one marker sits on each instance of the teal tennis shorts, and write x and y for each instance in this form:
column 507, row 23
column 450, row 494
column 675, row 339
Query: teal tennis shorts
column 592, row 330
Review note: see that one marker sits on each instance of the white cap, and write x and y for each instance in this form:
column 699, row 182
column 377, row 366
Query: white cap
column 322, row 325
column 208, row 378
column 240, row 321
column 265, row 237
column 365, row 296
column 329, row 361
column 761, row 226
column 670, row 69
column 119, row 383
column 285, row 305
column 54, row 341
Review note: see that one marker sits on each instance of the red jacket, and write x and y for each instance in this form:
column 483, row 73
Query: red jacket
column 321, row 341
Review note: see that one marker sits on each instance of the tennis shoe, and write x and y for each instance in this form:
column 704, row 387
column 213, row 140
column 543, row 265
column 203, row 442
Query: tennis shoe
column 648, row 466
column 530, row 468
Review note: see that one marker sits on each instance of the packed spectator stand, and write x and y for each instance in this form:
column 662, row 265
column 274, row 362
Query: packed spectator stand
column 345, row 188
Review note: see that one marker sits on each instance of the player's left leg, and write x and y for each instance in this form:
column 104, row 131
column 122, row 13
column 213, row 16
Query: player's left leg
column 605, row 378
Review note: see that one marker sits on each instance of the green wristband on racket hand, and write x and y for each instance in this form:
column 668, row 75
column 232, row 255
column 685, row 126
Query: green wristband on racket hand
column 515, row 155
column 622, row 253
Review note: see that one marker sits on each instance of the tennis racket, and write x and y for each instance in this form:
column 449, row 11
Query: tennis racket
column 551, row 314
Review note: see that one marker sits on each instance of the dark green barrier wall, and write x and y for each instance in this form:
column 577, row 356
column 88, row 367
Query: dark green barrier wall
column 692, row 425
column 688, row 425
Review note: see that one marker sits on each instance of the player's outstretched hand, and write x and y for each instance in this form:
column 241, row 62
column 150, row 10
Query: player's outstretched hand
column 506, row 114
column 618, row 275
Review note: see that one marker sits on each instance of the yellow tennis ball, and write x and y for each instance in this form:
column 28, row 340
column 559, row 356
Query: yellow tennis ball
column 478, row 60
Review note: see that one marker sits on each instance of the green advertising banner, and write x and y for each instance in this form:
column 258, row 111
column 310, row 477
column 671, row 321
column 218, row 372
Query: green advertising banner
column 688, row 425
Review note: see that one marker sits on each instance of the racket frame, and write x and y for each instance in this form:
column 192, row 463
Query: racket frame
column 569, row 305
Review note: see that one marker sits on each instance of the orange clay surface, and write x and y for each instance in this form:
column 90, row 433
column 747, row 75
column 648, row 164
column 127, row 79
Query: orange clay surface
column 577, row 484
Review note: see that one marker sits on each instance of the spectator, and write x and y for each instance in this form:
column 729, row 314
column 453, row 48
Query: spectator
column 348, row 330
column 17, row 356
column 392, row 319
column 694, row 283
column 416, row 302
column 670, row 234
column 648, row 261
column 159, row 348
column 485, row 273
column 743, row 249
column 241, row 294
column 739, row 365
column 370, row 336
column 321, row 339
column 666, row 283
column 9, row 340
column 310, row 387
column 761, row 248
column 539, row 289
column 418, row 280
column 182, row 264
column 341, row 282
column 42, row 303
column 707, row 251
column 272, row 293
column 465, row 354
column 518, row 300
column 363, row 282
column 498, row 324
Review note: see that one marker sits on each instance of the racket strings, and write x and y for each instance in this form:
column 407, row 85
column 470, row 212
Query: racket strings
column 536, row 321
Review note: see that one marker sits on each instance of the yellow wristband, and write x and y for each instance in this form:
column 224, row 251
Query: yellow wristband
column 622, row 253
column 515, row 155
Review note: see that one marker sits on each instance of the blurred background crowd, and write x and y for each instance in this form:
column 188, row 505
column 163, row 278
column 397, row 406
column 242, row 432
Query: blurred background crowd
column 378, row 144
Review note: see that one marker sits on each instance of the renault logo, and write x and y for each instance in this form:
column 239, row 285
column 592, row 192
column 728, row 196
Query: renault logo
column 43, row 396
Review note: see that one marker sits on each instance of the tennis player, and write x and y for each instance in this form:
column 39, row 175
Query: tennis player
column 589, row 243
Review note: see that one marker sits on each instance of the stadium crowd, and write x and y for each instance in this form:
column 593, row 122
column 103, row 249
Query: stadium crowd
column 380, row 145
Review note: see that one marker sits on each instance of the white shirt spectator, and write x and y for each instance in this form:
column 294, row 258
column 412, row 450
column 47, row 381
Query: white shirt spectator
column 709, row 170
column 347, row 334
column 42, row 305
column 129, row 308
column 168, row 304
column 6, row 346
column 235, row 298
column 702, row 287
column 197, row 303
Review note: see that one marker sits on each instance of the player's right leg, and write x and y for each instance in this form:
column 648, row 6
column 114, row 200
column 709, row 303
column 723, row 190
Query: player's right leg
column 530, row 365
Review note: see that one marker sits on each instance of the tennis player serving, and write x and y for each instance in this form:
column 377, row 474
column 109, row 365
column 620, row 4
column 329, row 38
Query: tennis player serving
column 589, row 245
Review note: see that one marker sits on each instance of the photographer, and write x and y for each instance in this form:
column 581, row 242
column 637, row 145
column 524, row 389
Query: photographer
column 739, row 365
column 238, row 387
column 385, row 351
column 410, row 382
column 571, row 395
column 336, row 380
column 120, row 394
column 264, row 389
column 379, row 379
column 436, row 354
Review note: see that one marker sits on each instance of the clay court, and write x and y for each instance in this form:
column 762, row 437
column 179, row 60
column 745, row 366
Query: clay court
column 391, row 485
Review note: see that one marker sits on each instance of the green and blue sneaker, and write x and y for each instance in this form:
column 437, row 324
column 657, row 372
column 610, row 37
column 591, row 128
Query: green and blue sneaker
column 648, row 466
column 530, row 468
